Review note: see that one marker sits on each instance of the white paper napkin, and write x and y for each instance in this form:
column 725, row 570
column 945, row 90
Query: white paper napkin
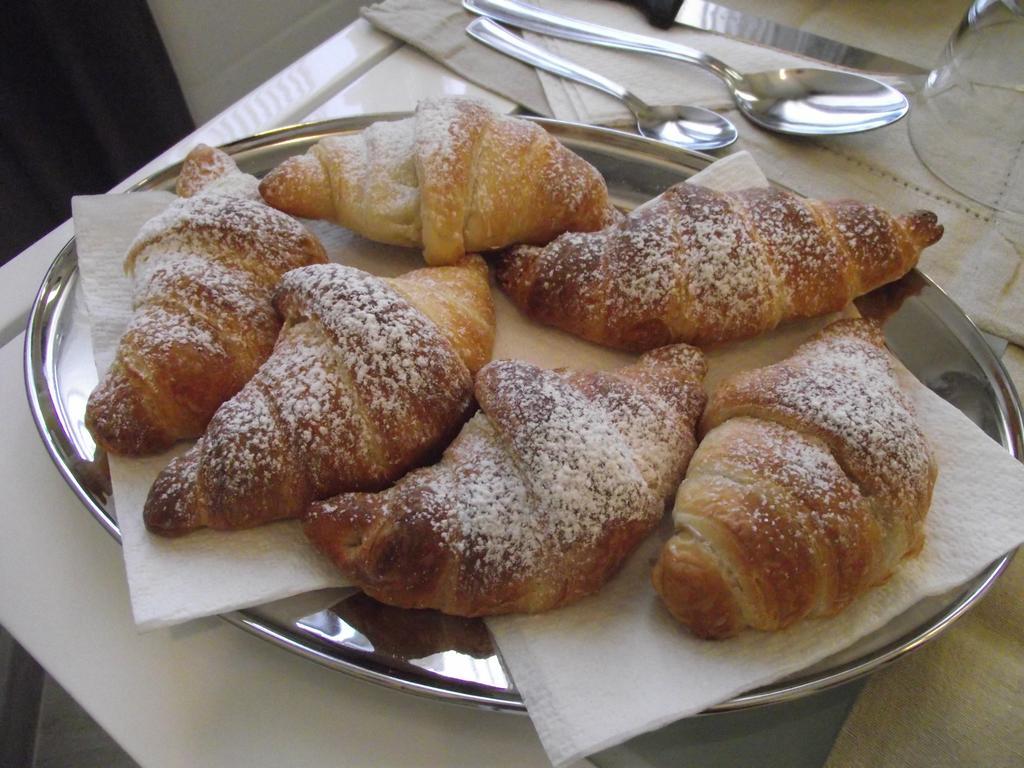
column 205, row 573
column 616, row 665
column 208, row 572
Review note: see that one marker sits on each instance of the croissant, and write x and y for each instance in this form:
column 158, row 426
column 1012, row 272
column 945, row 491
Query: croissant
column 701, row 266
column 539, row 499
column 202, row 274
column 811, row 485
column 369, row 377
column 455, row 178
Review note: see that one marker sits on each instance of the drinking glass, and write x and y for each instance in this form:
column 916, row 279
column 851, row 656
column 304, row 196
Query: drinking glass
column 967, row 123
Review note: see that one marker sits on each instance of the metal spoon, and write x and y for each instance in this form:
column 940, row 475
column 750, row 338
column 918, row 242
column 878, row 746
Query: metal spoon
column 805, row 102
column 692, row 128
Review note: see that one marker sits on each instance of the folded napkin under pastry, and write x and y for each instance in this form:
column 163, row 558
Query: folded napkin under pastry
column 616, row 664
column 932, row 708
column 979, row 261
column 204, row 573
column 207, row 572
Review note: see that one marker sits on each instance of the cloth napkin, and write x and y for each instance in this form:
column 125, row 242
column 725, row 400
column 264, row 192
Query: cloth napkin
column 978, row 261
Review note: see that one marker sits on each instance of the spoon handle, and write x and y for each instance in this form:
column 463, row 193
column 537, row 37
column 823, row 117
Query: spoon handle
column 499, row 38
column 535, row 19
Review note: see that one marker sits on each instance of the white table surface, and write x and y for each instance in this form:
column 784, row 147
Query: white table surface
column 208, row 693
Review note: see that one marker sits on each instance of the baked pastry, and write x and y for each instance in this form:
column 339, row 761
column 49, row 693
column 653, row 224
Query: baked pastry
column 369, row 377
column 202, row 272
column 538, row 501
column 455, row 178
column 701, row 266
column 811, row 485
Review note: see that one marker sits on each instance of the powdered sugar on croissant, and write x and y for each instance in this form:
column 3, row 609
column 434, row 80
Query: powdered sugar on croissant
column 540, row 498
column 368, row 378
column 202, row 274
column 811, row 485
column 701, row 266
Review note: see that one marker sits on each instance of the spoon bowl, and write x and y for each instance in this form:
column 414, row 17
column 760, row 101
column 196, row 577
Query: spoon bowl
column 692, row 128
column 802, row 102
column 817, row 102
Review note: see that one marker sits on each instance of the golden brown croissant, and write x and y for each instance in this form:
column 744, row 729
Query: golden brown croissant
column 203, row 272
column 369, row 377
column 455, row 178
column 538, row 501
column 701, row 266
column 811, row 485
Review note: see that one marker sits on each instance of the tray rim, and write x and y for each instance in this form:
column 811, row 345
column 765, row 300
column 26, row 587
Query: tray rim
column 64, row 268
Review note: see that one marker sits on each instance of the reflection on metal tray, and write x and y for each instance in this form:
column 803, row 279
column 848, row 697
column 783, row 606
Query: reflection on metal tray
column 451, row 659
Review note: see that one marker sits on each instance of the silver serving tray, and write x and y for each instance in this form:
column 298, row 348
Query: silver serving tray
column 424, row 652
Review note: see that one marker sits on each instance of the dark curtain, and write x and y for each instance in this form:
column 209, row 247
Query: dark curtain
column 87, row 96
